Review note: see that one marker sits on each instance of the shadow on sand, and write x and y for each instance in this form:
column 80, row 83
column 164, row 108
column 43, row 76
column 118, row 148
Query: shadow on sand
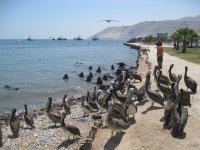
column 142, row 103
column 114, row 141
column 151, row 108
column 51, row 127
column 67, row 143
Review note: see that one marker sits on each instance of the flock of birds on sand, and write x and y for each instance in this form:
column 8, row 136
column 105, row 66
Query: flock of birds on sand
column 118, row 101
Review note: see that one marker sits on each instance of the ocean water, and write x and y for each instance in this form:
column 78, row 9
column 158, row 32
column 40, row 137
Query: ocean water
column 37, row 67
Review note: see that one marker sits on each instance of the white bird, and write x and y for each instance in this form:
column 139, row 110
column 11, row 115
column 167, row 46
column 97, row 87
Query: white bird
column 108, row 21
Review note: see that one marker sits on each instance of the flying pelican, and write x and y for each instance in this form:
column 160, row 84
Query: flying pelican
column 108, row 21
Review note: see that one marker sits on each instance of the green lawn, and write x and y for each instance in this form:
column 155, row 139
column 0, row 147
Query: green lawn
column 192, row 54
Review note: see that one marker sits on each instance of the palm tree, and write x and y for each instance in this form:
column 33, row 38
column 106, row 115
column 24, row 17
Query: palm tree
column 184, row 35
column 196, row 40
column 176, row 38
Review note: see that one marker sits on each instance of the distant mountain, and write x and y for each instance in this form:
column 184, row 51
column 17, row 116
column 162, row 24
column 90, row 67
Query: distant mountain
column 148, row 28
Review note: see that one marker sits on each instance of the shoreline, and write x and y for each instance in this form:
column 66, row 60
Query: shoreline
column 44, row 132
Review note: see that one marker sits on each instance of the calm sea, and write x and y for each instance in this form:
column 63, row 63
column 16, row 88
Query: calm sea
column 37, row 67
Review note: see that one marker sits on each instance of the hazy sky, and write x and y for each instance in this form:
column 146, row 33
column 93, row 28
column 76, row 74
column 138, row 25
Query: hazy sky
column 71, row 18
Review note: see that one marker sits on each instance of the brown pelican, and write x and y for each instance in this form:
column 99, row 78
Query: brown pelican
column 86, row 108
column 115, row 124
column 189, row 82
column 131, row 108
column 186, row 94
column 90, row 98
column 69, row 130
column 28, row 119
column 1, row 137
column 100, row 100
column 140, row 93
column 163, row 79
column 55, row 116
column 168, row 112
column 152, row 95
column 167, row 91
column 66, row 106
column 180, row 116
column 172, row 76
column 108, row 21
column 14, row 123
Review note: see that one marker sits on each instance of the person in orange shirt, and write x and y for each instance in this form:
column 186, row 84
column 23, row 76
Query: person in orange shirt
column 160, row 52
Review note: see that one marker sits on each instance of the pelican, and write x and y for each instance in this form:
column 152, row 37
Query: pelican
column 66, row 106
column 189, row 82
column 54, row 116
column 86, row 108
column 168, row 112
column 108, row 20
column 180, row 116
column 115, row 123
column 28, row 119
column 172, row 76
column 186, row 94
column 70, row 130
column 152, row 95
column 163, row 79
column 14, row 123
column 167, row 91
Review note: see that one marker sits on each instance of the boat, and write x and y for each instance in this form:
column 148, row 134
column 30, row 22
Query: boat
column 59, row 38
column 78, row 38
column 29, row 38
column 95, row 38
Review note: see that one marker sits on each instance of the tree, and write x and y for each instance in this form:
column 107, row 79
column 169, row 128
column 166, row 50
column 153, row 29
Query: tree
column 184, row 36
column 193, row 36
column 176, row 38
column 148, row 39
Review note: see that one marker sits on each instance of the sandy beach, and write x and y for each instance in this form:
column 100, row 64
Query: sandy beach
column 146, row 133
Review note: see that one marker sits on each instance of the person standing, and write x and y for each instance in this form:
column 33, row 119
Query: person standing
column 160, row 52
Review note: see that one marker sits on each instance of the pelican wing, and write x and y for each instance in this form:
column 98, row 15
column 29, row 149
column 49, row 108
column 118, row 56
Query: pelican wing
column 156, row 97
column 29, row 120
column 119, row 123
